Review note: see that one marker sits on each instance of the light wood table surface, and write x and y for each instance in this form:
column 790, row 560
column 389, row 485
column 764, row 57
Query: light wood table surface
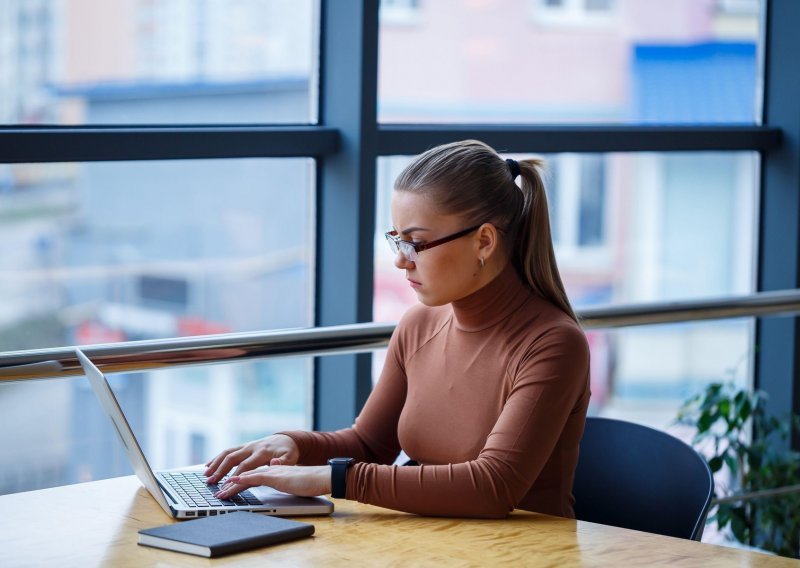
column 95, row 524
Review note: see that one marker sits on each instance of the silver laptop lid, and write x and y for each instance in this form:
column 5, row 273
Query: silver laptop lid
column 135, row 455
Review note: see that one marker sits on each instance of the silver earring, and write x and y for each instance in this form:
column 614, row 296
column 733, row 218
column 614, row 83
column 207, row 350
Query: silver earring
column 482, row 263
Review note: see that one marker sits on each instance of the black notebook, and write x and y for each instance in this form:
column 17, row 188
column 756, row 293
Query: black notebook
column 224, row 534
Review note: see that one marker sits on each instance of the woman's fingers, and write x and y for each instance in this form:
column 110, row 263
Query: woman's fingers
column 231, row 489
column 249, row 464
column 227, row 464
column 306, row 481
column 252, row 455
column 238, row 483
column 212, row 466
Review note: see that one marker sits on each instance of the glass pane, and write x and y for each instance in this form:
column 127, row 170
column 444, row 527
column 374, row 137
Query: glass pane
column 632, row 228
column 180, row 416
column 566, row 61
column 158, row 61
column 114, row 251
column 644, row 373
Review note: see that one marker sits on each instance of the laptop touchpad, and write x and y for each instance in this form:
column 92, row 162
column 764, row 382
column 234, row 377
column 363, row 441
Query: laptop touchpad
column 268, row 494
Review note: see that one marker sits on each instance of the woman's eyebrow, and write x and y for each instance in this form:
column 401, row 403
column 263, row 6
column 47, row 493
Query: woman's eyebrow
column 411, row 230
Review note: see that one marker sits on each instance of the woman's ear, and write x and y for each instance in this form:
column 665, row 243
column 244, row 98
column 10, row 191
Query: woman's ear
column 487, row 240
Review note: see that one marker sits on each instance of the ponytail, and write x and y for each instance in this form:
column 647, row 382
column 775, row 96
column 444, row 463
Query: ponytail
column 533, row 255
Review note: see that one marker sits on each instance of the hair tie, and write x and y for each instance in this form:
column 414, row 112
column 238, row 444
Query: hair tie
column 513, row 166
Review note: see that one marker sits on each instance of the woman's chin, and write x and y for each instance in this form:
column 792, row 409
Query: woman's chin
column 429, row 301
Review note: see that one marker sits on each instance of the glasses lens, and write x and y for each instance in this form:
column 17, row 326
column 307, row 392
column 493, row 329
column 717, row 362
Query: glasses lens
column 408, row 251
column 392, row 242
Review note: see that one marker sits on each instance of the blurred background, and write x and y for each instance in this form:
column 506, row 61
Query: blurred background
column 102, row 252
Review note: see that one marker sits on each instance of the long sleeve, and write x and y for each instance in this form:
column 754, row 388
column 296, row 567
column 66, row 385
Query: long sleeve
column 373, row 437
column 550, row 387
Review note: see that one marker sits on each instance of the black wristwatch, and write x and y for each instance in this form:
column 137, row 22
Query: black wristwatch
column 339, row 476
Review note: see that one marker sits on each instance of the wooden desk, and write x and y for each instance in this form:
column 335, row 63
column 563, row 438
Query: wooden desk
column 58, row 527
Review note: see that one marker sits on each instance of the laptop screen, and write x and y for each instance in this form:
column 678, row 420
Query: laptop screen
column 112, row 408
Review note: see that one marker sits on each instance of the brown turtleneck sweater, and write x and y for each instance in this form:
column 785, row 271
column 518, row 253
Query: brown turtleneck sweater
column 489, row 394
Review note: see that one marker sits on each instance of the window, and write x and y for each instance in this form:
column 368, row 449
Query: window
column 628, row 228
column 112, row 251
column 167, row 61
column 591, row 230
column 577, row 197
column 221, row 405
column 99, row 252
column 634, row 228
column 102, row 252
column 647, row 63
column 644, row 373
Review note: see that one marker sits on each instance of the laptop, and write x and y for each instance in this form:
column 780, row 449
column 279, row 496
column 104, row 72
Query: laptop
column 183, row 493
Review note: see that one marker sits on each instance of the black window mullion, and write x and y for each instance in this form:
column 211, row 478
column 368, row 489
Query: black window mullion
column 410, row 139
column 91, row 144
column 777, row 342
column 346, row 201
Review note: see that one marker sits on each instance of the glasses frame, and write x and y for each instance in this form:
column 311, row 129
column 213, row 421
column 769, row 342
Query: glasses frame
column 412, row 250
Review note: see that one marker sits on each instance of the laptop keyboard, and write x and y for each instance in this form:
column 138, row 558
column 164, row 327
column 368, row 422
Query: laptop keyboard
column 195, row 492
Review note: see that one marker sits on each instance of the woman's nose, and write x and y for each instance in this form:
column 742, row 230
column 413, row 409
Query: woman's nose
column 400, row 261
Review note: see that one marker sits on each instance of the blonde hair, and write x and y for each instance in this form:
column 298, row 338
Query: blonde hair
column 469, row 178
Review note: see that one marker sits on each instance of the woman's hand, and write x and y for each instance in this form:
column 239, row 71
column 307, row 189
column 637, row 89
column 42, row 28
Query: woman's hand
column 306, row 481
column 277, row 449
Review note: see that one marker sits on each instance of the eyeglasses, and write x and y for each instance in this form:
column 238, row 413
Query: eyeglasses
column 411, row 250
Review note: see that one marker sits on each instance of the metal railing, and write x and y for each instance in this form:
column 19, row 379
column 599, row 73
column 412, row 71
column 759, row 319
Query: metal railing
column 757, row 495
column 354, row 338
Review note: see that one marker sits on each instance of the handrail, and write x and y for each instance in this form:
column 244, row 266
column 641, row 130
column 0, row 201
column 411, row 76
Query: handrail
column 181, row 351
column 778, row 302
column 352, row 338
column 756, row 495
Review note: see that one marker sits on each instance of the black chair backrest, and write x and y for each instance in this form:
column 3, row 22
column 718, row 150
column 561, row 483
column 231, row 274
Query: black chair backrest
column 635, row 477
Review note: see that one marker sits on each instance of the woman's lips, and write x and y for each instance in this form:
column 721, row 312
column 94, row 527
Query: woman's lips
column 413, row 283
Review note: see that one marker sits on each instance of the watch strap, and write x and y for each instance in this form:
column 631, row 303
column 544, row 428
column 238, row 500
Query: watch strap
column 339, row 468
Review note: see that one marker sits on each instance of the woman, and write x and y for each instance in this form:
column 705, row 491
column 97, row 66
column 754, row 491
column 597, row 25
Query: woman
column 486, row 384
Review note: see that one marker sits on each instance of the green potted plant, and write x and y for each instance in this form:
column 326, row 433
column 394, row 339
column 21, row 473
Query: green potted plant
column 761, row 503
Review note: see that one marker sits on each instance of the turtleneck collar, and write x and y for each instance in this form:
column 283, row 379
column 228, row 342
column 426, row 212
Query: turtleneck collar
column 491, row 304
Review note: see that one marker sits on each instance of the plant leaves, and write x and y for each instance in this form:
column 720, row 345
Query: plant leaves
column 751, row 444
column 723, row 515
column 705, row 421
column 738, row 525
column 725, row 409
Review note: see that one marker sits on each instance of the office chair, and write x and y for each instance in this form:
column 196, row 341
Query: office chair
column 639, row 478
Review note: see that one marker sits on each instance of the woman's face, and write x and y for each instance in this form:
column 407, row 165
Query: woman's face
column 446, row 272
